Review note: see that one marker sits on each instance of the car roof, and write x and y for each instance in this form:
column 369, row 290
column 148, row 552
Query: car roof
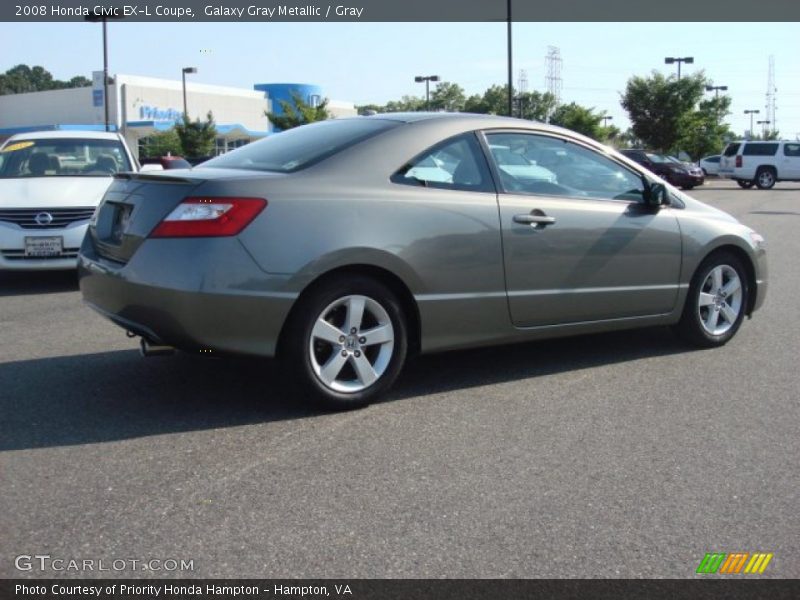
column 78, row 134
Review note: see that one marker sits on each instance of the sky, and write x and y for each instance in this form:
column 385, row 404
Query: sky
column 376, row 62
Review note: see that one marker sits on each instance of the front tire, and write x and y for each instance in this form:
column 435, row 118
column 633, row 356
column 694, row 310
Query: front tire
column 346, row 342
column 716, row 303
column 765, row 178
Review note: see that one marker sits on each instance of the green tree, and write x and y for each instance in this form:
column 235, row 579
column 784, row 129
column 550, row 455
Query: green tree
column 162, row 143
column 22, row 79
column 579, row 119
column 448, row 96
column 197, row 137
column 298, row 112
column 701, row 131
column 405, row 104
column 534, row 106
column 658, row 105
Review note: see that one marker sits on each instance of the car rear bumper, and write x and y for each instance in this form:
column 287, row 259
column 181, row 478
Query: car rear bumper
column 178, row 299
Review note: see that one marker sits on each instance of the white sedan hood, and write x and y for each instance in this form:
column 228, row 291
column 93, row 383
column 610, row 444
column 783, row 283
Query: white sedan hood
column 52, row 192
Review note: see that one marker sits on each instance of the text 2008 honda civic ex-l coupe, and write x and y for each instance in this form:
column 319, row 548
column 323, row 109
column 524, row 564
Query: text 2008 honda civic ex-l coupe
column 343, row 246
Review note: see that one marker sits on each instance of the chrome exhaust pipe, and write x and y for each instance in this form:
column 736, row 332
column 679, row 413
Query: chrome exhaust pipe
column 148, row 348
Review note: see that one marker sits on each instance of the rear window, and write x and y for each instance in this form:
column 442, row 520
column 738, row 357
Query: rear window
column 301, row 147
column 791, row 149
column 731, row 149
column 759, row 149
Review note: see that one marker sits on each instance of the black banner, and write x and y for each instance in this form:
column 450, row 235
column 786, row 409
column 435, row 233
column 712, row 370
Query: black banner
column 393, row 589
column 402, row 10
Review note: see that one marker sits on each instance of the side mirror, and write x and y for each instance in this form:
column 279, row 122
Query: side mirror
column 655, row 194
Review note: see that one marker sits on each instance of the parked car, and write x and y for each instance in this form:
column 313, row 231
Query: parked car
column 161, row 163
column 50, row 184
column 760, row 163
column 669, row 169
column 324, row 247
column 710, row 165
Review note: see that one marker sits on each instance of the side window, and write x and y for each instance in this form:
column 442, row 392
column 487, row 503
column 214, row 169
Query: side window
column 455, row 164
column 759, row 149
column 538, row 164
column 791, row 149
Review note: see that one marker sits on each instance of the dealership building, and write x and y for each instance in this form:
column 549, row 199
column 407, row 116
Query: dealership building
column 141, row 106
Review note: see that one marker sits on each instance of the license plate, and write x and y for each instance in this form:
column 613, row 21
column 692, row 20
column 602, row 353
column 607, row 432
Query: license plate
column 44, row 246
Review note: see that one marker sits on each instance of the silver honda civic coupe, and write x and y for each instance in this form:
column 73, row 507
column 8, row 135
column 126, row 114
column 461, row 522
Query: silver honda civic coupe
column 343, row 246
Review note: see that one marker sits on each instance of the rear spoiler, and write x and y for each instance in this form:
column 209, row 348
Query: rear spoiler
column 152, row 176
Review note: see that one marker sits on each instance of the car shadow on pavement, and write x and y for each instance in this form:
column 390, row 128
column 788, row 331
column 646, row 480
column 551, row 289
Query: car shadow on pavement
column 112, row 396
column 19, row 283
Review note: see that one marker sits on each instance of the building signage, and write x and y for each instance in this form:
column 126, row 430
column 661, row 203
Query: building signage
column 153, row 113
column 98, row 89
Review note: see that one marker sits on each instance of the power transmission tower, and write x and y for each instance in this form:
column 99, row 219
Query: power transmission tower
column 522, row 89
column 552, row 78
column 771, row 93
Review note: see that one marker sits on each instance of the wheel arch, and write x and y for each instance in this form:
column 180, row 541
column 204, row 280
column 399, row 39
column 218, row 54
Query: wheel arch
column 749, row 267
column 381, row 274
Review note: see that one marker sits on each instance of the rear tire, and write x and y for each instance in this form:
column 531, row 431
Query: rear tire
column 745, row 183
column 346, row 342
column 716, row 303
column 766, row 178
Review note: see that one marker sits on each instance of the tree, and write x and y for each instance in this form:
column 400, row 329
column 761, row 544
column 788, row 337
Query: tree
column 298, row 112
column 657, row 105
column 23, row 79
column 701, row 131
column 405, row 104
column 448, row 96
column 579, row 119
column 534, row 106
column 163, row 143
column 197, row 137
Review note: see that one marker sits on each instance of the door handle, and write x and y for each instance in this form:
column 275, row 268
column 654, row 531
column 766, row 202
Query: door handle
column 538, row 221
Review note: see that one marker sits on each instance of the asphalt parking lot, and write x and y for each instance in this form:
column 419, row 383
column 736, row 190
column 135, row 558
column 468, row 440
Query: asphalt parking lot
column 621, row 455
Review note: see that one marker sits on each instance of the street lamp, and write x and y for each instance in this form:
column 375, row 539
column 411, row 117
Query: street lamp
column 751, row 113
column 606, row 119
column 763, row 129
column 716, row 89
column 184, row 71
column 510, row 70
column 671, row 60
column 97, row 17
column 427, row 79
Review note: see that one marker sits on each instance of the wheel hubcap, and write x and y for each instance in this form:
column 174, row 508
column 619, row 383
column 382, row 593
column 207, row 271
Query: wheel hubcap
column 351, row 344
column 766, row 178
column 720, row 300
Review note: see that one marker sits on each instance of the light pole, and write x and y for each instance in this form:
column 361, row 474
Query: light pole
column 716, row 89
column 97, row 17
column 764, row 128
column 671, row 60
column 751, row 113
column 606, row 119
column 184, row 71
column 427, row 79
column 510, row 69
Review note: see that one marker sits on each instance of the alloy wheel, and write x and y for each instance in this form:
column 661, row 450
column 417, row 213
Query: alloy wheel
column 351, row 344
column 720, row 300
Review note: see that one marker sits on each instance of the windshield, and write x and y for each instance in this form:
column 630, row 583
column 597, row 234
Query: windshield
column 658, row 158
column 63, row 157
column 301, row 147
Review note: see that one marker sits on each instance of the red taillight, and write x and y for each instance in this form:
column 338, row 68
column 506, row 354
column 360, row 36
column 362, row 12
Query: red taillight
column 739, row 160
column 209, row 217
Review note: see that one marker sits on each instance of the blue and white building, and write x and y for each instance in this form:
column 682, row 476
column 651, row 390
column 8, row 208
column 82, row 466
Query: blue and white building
column 140, row 106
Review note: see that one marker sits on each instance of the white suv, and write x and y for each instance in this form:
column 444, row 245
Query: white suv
column 761, row 163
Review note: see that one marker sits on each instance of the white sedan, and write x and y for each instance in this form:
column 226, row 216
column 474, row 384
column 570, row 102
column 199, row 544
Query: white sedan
column 710, row 164
column 50, row 184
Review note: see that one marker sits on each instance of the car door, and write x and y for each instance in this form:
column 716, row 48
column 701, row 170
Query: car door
column 582, row 246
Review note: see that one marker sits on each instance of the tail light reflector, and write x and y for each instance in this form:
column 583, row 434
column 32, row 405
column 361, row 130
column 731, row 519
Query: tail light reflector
column 209, row 217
